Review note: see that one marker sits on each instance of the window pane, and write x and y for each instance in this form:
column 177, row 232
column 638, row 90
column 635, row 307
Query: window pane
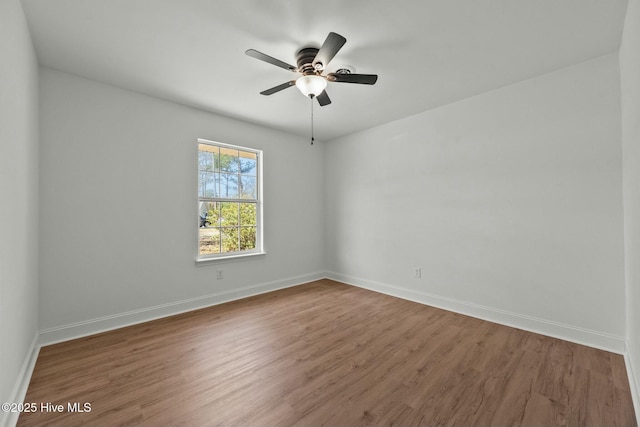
column 208, row 157
column 248, row 214
column 229, row 214
column 247, row 238
column 229, row 160
column 230, row 239
column 209, row 240
column 208, row 184
column 248, row 163
column 229, row 186
column 213, row 214
column 209, row 214
column 248, row 188
column 205, row 161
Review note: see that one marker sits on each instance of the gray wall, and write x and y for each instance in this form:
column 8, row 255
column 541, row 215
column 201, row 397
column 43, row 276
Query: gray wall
column 630, row 76
column 119, row 208
column 510, row 202
column 18, row 199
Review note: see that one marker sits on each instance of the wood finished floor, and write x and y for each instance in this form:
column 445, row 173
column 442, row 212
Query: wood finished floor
column 326, row 353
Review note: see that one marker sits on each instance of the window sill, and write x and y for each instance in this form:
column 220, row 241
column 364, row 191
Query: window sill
column 200, row 262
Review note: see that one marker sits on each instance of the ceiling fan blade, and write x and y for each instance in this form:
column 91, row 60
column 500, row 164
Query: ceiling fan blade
column 323, row 99
column 271, row 60
column 278, row 88
column 329, row 48
column 364, row 79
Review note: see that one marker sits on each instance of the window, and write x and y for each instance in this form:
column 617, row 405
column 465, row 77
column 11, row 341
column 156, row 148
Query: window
column 229, row 200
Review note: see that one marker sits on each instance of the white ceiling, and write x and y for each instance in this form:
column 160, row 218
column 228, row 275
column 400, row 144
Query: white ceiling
column 427, row 53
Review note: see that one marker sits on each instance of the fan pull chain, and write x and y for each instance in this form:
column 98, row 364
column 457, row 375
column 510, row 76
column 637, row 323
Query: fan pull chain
column 312, row 139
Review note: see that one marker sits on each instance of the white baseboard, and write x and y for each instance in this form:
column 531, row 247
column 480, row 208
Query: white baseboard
column 634, row 382
column 9, row 419
column 106, row 323
column 553, row 329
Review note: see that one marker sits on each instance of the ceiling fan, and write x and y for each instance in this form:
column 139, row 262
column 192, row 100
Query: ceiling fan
column 311, row 63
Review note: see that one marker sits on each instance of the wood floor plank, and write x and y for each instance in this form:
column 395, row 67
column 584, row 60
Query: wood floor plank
column 326, row 353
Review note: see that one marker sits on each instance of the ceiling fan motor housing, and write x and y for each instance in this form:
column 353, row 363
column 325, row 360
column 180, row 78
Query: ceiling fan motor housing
column 304, row 59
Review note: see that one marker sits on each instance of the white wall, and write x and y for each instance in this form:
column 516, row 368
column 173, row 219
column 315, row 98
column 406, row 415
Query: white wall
column 119, row 208
column 630, row 83
column 510, row 202
column 18, row 200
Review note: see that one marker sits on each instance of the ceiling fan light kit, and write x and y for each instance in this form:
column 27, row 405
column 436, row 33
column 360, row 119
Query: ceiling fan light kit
column 311, row 62
column 311, row 85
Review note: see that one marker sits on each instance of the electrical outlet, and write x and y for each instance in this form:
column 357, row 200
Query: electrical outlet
column 220, row 275
column 417, row 272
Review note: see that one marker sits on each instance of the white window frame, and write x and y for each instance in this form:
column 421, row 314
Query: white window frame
column 259, row 248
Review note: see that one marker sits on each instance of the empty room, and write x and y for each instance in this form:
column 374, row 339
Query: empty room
column 302, row 213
